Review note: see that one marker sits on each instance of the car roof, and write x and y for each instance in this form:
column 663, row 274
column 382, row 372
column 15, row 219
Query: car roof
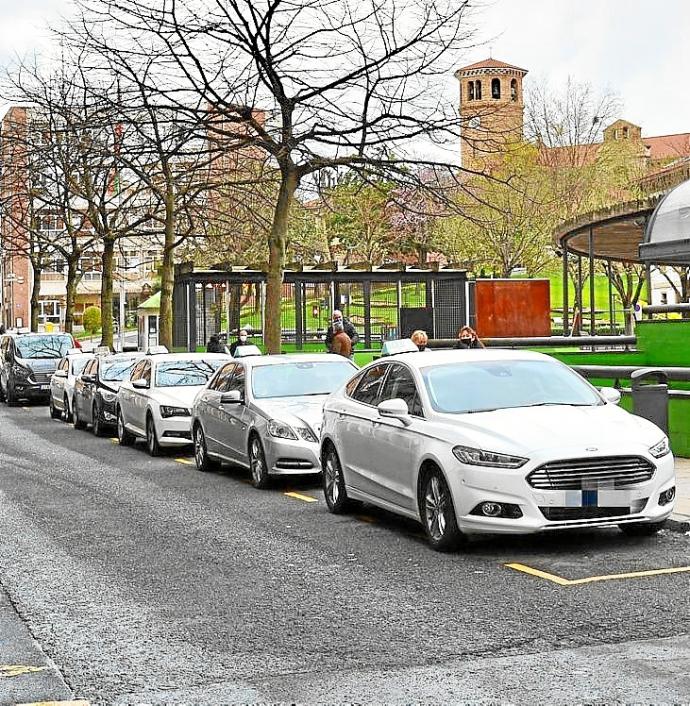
column 283, row 358
column 424, row 359
column 164, row 357
column 121, row 356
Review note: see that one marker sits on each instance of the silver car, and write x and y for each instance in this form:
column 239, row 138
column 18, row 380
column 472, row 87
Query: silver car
column 264, row 413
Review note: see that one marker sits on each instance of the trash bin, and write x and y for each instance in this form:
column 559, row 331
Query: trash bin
column 650, row 396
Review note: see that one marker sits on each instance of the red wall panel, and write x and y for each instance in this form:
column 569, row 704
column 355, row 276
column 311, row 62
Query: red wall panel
column 513, row 307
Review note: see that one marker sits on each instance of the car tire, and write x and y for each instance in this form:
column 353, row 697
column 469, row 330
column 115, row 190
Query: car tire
column 257, row 463
column 641, row 529
column 438, row 514
column 203, row 462
column 152, row 445
column 66, row 412
column 76, row 419
column 124, row 437
column 55, row 413
column 11, row 397
column 96, row 422
column 334, row 482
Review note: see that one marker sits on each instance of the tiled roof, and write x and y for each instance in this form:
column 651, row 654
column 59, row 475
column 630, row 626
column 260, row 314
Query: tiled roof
column 491, row 64
column 668, row 146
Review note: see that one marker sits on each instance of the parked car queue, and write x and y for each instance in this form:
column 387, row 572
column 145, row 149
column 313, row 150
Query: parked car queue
column 467, row 441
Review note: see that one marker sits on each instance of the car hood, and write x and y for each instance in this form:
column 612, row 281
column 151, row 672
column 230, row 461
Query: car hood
column 40, row 365
column 296, row 411
column 182, row 396
column 527, row 430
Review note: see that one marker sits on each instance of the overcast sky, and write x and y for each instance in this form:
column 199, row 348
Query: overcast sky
column 637, row 49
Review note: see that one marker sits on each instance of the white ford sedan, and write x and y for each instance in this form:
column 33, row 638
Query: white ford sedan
column 156, row 402
column 479, row 441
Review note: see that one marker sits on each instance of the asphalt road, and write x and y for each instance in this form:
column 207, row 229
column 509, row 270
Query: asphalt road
column 131, row 580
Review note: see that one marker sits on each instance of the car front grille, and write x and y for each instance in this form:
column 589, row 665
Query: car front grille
column 40, row 378
column 603, row 472
column 583, row 513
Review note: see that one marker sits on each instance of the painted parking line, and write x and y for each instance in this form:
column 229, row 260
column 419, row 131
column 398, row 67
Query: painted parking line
column 186, row 461
column 114, row 440
column 299, row 496
column 594, row 579
column 18, row 670
column 56, row 703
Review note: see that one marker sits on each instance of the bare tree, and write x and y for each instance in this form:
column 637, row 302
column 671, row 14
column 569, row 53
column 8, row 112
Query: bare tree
column 345, row 83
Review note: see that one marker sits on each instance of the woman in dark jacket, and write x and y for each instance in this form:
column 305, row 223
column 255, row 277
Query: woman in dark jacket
column 467, row 338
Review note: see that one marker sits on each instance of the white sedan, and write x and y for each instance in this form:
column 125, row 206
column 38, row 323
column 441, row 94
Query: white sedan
column 492, row 441
column 61, row 400
column 156, row 402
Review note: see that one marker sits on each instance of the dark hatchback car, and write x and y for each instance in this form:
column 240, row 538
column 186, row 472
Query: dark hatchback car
column 95, row 391
column 27, row 362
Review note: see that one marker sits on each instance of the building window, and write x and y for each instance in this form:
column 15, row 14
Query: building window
column 470, row 91
column 664, row 298
column 496, row 88
column 478, row 90
column 513, row 89
column 625, row 133
column 616, row 134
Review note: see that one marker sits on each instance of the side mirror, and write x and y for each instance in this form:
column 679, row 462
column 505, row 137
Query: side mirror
column 8, row 356
column 88, row 379
column 395, row 409
column 232, row 397
column 140, row 384
column 60, row 373
column 610, row 394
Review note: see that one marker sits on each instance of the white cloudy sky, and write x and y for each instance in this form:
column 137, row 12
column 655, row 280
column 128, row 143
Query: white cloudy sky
column 635, row 48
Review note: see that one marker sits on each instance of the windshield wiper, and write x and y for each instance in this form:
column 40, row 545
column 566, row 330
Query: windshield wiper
column 558, row 404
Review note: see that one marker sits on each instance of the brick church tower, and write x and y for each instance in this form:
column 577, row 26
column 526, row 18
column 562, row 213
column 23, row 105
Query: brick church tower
column 491, row 109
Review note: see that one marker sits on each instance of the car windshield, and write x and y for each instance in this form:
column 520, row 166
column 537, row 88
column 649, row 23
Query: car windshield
column 117, row 370
column 461, row 388
column 175, row 373
column 79, row 363
column 43, row 346
column 298, row 379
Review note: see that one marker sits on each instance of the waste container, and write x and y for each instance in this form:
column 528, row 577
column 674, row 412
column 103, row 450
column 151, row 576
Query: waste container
column 650, row 396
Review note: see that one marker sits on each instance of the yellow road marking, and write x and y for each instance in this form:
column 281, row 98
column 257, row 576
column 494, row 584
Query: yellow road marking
column 186, row 461
column 26, row 409
column 17, row 670
column 56, row 703
column 299, row 496
column 114, row 439
column 366, row 518
column 593, row 579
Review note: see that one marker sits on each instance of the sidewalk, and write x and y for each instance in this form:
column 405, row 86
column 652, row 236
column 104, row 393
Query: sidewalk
column 681, row 514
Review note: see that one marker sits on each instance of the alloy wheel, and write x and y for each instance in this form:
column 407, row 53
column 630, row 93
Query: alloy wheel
column 199, row 448
column 435, row 506
column 331, row 479
column 257, row 464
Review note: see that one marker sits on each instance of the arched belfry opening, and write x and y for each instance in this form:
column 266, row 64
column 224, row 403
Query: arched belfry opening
column 496, row 88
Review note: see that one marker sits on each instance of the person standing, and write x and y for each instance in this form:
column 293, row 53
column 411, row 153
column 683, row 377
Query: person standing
column 242, row 340
column 347, row 327
column 467, row 338
column 214, row 344
column 341, row 344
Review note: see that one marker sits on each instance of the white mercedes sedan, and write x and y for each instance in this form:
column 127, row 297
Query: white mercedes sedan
column 264, row 413
column 156, row 402
column 493, row 441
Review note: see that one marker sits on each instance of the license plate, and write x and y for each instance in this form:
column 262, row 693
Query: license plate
column 45, row 387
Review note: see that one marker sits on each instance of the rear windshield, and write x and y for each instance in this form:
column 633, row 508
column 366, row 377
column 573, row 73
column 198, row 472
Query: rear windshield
column 43, row 346
column 176, row 373
column 117, row 370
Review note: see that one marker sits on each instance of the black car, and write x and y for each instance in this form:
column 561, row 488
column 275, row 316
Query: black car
column 27, row 362
column 95, row 391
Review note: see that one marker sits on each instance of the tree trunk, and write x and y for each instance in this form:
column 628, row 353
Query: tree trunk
column 35, row 295
column 71, row 295
column 107, row 260
column 165, row 320
column 276, row 261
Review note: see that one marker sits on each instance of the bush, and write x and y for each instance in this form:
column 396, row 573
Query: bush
column 92, row 319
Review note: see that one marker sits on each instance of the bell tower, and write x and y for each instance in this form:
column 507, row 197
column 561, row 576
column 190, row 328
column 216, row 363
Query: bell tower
column 491, row 111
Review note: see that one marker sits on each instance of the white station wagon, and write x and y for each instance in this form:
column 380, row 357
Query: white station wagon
column 494, row 441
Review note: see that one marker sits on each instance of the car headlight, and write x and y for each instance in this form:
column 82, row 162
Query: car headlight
column 167, row 411
column 20, row 371
column 479, row 457
column 306, row 434
column 109, row 396
column 281, row 430
column 660, row 449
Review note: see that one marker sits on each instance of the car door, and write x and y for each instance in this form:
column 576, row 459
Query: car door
column 4, row 347
column 57, row 383
column 126, row 395
column 140, row 398
column 84, row 391
column 355, row 421
column 396, row 447
column 210, row 413
column 235, row 418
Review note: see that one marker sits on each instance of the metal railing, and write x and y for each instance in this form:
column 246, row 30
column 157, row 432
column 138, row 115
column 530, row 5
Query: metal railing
column 545, row 342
